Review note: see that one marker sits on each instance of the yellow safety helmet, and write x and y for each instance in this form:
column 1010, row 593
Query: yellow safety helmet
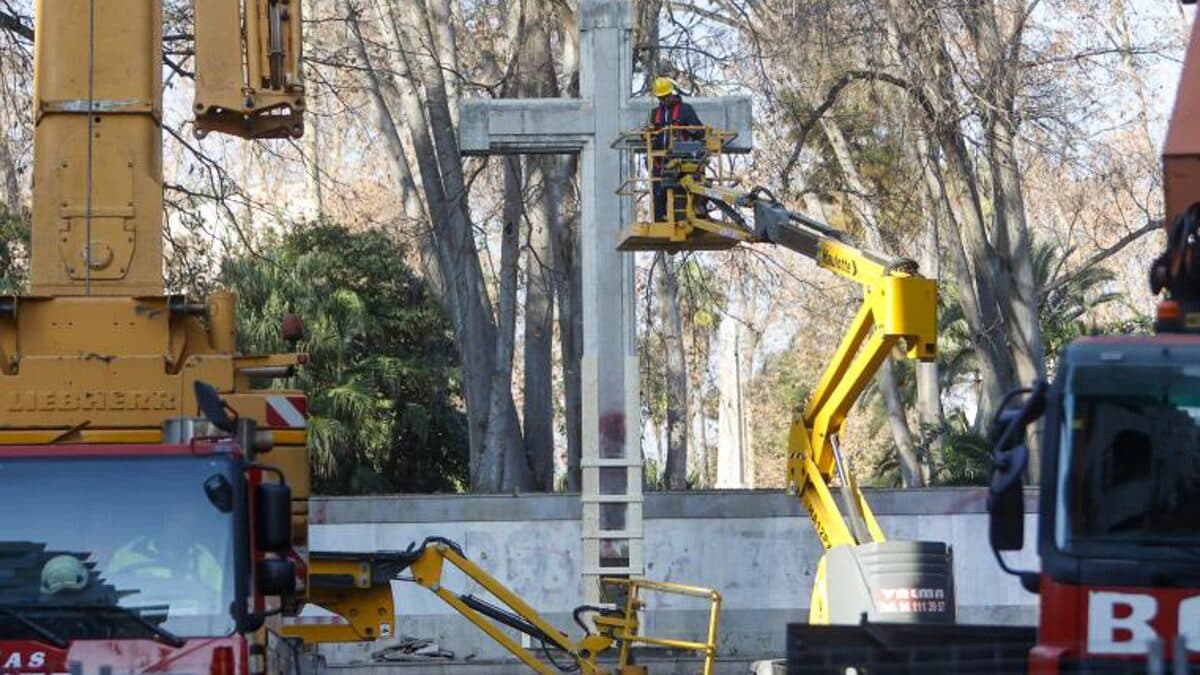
column 664, row 86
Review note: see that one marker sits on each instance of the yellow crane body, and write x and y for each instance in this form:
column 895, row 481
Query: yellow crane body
column 96, row 352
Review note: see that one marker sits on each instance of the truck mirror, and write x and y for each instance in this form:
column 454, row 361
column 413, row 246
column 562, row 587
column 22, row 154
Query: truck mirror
column 1006, row 501
column 1007, row 429
column 1008, row 467
column 276, row 576
column 1000, row 423
column 211, row 406
column 273, row 506
column 219, row 492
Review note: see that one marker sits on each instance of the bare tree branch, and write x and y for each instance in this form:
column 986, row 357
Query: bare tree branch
column 14, row 24
column 831, row 98
column 1103, row 255
column 715, row 17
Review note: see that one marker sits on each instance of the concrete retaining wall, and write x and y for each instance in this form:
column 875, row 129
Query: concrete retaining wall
column 757, row 548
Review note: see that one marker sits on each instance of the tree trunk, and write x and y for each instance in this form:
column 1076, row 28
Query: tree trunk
column 502, row 464
column 10, row 185
column 428, row 120
column 568, row 282
column 731, row 447
column 667, row 290
column 750, row 338
column 920, row 40
column 446, row 54
column 1023, row 315
column 697, row 437
column 410, row 197
column 978, row 305
column 999, row 56
column 702, row 462
column 1135, row 73
column 535, row 77
column 312, row 150
column 646, row 37
column 569, row 293
column 539, row 325
column 929, row 398
column 911, row 474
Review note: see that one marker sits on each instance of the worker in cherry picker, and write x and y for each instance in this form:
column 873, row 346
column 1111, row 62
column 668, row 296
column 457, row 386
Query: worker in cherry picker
column 672, row 111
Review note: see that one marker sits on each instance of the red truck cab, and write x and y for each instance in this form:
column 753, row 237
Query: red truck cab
column 139, row 558
column 1119, row 527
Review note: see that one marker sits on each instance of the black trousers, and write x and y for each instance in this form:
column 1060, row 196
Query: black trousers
column 660, row 204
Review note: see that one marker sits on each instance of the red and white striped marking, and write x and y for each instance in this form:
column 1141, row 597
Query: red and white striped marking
column 287, row 411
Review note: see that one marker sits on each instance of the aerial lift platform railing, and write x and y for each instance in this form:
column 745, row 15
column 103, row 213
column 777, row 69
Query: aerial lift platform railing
column 862, row 571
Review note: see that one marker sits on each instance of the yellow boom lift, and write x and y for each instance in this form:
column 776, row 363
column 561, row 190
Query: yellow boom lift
column 862, row 572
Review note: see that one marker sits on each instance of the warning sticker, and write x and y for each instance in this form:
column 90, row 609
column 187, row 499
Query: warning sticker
column 910, row 600
column 287, row 411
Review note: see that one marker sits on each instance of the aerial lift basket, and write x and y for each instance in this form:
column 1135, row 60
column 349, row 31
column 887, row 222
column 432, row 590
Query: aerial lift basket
column 682, row 164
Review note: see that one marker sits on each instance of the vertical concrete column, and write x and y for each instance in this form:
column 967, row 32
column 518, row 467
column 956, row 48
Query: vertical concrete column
column 611, row 462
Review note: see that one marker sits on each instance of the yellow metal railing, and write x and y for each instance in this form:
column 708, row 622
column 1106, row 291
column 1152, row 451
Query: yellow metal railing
column 625, row 627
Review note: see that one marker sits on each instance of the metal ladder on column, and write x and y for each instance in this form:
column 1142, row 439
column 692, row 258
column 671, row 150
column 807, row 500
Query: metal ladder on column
column 612, row 521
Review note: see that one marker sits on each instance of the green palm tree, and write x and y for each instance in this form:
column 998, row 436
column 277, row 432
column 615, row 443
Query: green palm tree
column 14, row 251
column 1066, row 299
column 382, row 378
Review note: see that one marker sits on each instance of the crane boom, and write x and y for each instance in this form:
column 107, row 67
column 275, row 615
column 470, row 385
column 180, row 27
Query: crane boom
column 97, row 205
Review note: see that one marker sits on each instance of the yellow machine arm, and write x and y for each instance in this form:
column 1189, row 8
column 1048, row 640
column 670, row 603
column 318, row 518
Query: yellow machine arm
column 898, row 306
column 248, row 82
column 97, row 211
column 357, row 586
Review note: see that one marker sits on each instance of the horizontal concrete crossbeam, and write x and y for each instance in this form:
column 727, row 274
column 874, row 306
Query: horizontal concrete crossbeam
column 564, row 125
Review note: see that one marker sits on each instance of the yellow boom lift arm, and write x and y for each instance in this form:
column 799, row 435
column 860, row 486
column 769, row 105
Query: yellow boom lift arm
column 899, row 307
column 347, row 583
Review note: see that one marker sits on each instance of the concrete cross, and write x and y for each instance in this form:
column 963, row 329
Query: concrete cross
column 611, row 461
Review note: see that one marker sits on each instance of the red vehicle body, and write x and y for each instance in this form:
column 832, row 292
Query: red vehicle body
column 207, row 656
column 1099, row 624
column 178, row 588
column 1119, row 526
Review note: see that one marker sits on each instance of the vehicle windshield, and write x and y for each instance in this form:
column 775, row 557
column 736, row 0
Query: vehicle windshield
column 1129, row 478
column 154, row 534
